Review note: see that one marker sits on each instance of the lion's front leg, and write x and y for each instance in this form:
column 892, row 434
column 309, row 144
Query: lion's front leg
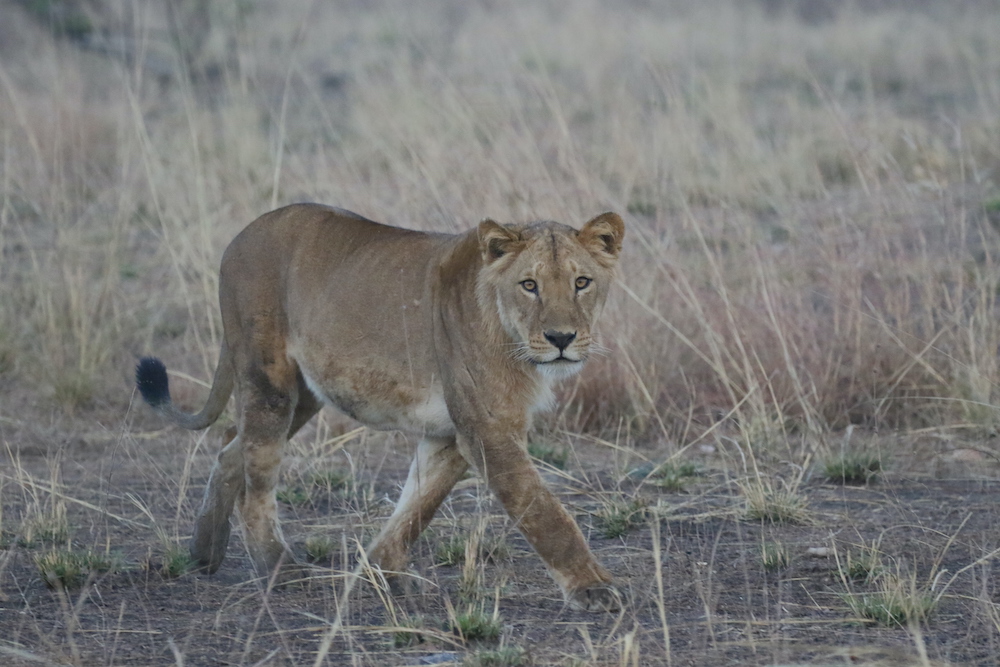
column 437, row 465
column 543, row 520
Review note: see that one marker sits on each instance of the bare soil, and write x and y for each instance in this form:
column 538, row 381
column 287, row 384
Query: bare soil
column 721, row 605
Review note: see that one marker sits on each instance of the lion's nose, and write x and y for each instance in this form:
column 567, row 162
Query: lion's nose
column 560, row 339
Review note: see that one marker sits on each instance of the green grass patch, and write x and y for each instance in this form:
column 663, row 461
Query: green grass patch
column 332, row 480
column 620, row 515
column 853, row 468
column 508, row 656
column 65, row 568
column 319, row 548
column 553, row 455
column 765, row 502
column 774, row 556
column 60, row 569
column 103, row 562
column 450, row 551
column 475, row 625
column 177, row 561
column 45, row 528
column 862, row 566
column 894, row 604
column 674, row 476
column 408, row 632
column 293, row 495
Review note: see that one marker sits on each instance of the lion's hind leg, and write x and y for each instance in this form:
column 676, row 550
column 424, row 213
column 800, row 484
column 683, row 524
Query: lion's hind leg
column 437, row 465
column 269, row 397
column 225, row 486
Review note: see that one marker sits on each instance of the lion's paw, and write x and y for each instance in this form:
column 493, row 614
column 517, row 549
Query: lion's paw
column 599, row 597
column 208, row 546
column 404, row 584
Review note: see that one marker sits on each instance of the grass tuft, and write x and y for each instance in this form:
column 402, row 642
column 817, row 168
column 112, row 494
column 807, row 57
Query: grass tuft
column 176, row 562
column 896, row 601
column 102, row 563
column 774, row 556
column 862, row 566
column 772, row 503
column 507, row 656
column 471, row 580
column 619, row 515
column 475, row 625
column 65, row 568
column 332, row 480
column 853, row 468
column 60, row 569
column 319, row 548
column 293, row 495
column 674, row 477
column 311, row 487
column 452, row 550
column 51, row 527
column 408, row 632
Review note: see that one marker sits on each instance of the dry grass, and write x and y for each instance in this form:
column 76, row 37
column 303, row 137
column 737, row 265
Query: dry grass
column 781, row 200
column 812, row 247
column 892, row 598
column 774, row 556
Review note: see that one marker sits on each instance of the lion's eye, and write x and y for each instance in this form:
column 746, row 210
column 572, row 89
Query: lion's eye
column 583, row 283
column 530, row 286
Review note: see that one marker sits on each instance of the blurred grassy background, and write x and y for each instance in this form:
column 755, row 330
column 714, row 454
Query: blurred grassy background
column 810, row 188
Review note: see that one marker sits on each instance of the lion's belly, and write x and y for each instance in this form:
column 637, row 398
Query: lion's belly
column 384, row 401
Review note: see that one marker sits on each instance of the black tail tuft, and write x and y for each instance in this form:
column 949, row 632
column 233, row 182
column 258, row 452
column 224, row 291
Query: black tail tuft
column 151, row 378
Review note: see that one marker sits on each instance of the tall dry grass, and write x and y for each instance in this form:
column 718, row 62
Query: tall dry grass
column 808, row 241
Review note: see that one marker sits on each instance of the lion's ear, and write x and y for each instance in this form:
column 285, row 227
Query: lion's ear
column 495, row 240
column 603, row 236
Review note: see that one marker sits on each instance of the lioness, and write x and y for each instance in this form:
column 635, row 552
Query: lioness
column 456, row 339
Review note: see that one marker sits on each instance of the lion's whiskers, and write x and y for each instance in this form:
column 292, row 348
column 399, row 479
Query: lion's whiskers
column 521, row 353
column 598, row 350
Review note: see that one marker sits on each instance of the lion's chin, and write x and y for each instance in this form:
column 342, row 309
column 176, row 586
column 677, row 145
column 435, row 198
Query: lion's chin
column 560, row 368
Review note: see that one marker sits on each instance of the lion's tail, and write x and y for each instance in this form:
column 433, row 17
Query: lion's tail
column 151, row 379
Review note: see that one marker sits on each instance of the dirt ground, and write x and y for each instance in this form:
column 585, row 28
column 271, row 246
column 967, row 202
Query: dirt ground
column 720, row 604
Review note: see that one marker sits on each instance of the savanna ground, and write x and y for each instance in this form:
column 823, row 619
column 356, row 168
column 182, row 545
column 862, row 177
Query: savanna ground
column 808, row 297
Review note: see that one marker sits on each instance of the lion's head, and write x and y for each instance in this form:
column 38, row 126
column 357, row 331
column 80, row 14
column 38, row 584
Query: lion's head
column 548, row 283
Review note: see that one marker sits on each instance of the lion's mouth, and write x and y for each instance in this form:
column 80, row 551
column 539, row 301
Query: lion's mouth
column 558, row 360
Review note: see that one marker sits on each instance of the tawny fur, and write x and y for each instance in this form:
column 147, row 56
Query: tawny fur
column 455, row 339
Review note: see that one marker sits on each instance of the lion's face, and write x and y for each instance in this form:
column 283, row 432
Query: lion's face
column 548, row 283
